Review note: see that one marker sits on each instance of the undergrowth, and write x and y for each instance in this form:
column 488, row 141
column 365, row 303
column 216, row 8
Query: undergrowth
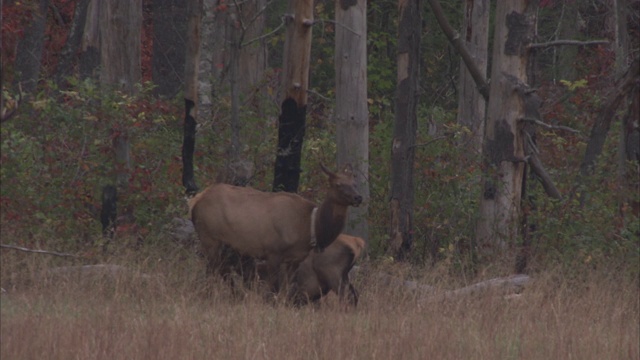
column 158, row 305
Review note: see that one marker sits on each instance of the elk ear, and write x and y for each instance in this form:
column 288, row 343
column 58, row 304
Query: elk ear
column 327, row 171
column 348, row 169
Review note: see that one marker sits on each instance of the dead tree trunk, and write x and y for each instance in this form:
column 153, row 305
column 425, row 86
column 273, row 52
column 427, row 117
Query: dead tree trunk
column 29, row 52
column 295, row 82
column 351, row 103
column 471, row 104
column 192, row 61
column 74, row 40
column 169, row 34
column 497, row 227
column 404, row 132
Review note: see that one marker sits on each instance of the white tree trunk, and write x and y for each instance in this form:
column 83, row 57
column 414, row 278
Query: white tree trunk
column 503, row 145
column 352, row 116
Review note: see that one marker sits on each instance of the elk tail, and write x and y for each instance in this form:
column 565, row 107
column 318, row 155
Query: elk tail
column 192, row 202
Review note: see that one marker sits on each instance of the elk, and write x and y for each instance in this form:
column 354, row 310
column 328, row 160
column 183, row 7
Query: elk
column 324, row 271
column 317, row 275
column 279, row 228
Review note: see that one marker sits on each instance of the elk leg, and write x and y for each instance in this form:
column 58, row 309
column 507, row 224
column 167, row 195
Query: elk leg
column 353, row 295
column 273, row 273
column 211, row 249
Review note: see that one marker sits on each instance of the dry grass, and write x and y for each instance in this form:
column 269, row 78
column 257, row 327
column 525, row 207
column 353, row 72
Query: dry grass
column 169, row 316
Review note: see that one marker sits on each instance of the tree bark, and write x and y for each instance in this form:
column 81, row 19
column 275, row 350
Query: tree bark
column 120, row 26
column 169, row 34
column 471, row 104
column 192, row 62
column 565, row 56
column 74, row 40
column 295, row 82
column 503, row 150
column 89, row 59
column 253, row 50
column 29, row 51
column 602, row 124
column 351, row 103
column 207, row 74
column 404, row 132
column 120, row 44
column 454, row 38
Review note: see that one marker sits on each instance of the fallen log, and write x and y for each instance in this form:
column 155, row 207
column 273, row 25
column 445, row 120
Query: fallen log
column 505, row 286
column 47, row 252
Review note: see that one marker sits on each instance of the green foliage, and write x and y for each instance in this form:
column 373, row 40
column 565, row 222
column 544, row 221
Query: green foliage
column 57, row 154
column 573, row 85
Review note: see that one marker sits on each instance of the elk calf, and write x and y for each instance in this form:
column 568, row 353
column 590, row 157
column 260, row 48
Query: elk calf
column 328, row 270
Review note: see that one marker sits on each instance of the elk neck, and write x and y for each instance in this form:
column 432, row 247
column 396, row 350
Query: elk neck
column 330, row 220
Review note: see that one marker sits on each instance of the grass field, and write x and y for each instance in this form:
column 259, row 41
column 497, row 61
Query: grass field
column 166, row 314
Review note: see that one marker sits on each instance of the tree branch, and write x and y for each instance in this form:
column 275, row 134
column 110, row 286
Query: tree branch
column 602, row 124
column 454, row 38
column 544, row 177
column 282, row 22
column 567, row 42
column 429, row 142
column 38, row 251
column 549, row 126
column 531, row 152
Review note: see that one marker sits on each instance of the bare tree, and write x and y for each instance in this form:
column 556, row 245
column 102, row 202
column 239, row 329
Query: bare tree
column 120, row 43
column 169, row 39
column 471, row 104
column 351, row 102
column 74, row 40
column 295, row 83
column 29, row 51
column 119, row 38
column 192, row 61
column 404, row 133
column 504, row 159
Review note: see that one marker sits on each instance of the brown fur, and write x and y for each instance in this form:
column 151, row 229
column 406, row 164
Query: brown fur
column 275, row 227
column 325, row 271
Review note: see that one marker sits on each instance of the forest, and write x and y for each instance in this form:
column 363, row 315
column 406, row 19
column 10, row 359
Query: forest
column 495, row 146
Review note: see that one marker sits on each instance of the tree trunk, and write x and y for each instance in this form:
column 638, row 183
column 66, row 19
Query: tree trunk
column 568, row 28
column 239, row 48
column 404, row 133
column 351, row 103
column 253, row 50
column 192, row 62
column 602, row 123
column 471, row 104
column 74, row 40
column 503, row 150
column 207, row 74
column 120, row 27
column 629, row 144
column 29, row 52
column 295, row 82
column 169, row 34
column 120, row 44
column 89, row 59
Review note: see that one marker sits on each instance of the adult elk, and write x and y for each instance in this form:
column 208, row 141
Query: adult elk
column 324, row 271
column 279, row 228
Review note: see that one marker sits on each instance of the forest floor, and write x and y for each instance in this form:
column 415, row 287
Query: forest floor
column 158, row 308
